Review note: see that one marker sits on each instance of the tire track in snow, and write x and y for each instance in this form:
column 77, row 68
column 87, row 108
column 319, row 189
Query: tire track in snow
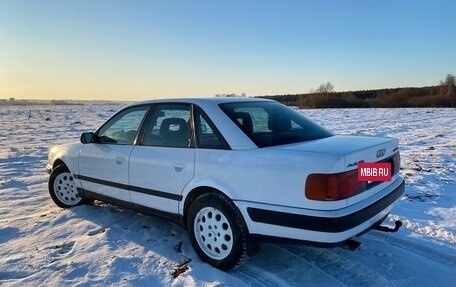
column 420, row 249
column 253, row 277
column 345, row 270
column 276, row 266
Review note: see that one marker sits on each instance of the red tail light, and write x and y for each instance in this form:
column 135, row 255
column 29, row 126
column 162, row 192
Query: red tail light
column 327, row 187
column 336, row 186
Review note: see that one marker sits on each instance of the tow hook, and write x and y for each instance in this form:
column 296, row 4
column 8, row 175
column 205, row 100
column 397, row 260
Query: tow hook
column 397, row 225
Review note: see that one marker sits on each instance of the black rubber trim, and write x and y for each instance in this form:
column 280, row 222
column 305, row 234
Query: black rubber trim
column 325, row 224
column 152, row 192
column 101, row 181
column 163, row 194
column 259, row 238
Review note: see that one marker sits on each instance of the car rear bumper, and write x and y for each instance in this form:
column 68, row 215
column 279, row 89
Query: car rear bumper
column 320, row 226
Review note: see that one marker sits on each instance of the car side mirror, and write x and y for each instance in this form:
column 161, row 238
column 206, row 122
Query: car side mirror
column 88, row 137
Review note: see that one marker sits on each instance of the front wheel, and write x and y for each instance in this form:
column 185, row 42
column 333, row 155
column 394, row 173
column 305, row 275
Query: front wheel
column 217, row 231
column 62, row 187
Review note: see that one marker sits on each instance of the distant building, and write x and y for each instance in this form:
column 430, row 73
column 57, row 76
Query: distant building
column 12, row 99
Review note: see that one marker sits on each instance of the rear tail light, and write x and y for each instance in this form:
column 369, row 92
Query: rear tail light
column 328, row 187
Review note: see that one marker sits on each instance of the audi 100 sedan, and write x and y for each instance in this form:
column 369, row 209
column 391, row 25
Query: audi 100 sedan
column 231, row 171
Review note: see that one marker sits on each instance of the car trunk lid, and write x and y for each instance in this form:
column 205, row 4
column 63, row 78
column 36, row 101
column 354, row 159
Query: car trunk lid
column 355, row 149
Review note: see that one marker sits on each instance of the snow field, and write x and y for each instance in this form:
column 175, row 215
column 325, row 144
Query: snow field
column 43, row 245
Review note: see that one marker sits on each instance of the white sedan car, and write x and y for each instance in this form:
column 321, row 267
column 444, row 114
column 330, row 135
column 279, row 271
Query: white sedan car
column 231, row 171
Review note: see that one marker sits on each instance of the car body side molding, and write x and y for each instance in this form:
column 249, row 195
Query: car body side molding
column 177, row 197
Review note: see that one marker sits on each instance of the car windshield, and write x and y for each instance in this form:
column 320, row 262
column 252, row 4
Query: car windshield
column 271, row 123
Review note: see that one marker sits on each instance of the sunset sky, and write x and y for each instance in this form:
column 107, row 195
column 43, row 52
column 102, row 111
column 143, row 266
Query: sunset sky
column 134, row 50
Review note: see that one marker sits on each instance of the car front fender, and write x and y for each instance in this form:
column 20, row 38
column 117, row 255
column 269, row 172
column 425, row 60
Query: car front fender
column 66, row 153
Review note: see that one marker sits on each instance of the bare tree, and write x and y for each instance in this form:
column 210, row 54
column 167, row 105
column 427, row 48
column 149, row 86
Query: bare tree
column 449, row 84
column 325, row 88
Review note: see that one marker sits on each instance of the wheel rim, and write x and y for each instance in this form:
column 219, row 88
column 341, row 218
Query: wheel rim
column 213, row 233
column 65, row 189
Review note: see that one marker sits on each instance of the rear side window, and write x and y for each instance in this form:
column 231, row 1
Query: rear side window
column 271, row 123
column 207, row 136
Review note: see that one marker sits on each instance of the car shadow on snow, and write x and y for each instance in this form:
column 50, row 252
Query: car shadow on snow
column 139, row 241
column 8, row 233
column 156, row 242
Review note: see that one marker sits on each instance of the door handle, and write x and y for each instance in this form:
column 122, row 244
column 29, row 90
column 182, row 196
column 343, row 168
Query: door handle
column 179, row 166
column 119, row 160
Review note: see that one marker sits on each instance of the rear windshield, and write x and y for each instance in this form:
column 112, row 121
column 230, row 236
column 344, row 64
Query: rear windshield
column 271, row 123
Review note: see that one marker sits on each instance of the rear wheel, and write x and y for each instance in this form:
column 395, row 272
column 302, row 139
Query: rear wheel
column 217, row 231
column 62, row 188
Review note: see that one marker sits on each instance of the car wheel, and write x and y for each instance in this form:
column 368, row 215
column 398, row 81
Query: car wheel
column 62, row 187
column 217, row 231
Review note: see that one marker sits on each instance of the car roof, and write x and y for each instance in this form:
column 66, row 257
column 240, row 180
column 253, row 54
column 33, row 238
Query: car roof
column 203, row 101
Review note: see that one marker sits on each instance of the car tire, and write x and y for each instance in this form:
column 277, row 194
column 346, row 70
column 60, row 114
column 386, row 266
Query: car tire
column 217, row 231
column 62, row 188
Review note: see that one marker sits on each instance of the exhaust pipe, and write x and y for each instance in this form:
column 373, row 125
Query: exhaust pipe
column 397, row 225
column 351, row 244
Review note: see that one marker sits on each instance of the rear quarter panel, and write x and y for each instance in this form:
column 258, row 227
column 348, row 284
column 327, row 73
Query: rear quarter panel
column 264, row 175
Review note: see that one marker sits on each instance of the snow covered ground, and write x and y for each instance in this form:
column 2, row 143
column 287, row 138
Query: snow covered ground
column 43, row 245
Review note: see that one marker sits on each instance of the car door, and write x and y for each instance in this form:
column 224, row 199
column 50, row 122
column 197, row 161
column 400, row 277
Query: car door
column 103, row 166
column 164, row 162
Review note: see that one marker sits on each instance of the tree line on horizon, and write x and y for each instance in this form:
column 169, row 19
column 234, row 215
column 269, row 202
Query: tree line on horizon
column 442, row 95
